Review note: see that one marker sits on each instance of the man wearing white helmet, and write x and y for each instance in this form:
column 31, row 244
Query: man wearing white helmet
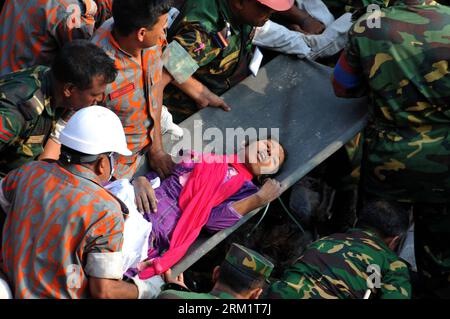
column 63, row 235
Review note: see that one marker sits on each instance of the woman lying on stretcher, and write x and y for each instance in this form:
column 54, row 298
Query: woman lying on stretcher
column 207, row 191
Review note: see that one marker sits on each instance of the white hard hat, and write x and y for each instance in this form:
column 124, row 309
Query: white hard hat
column 95, row 130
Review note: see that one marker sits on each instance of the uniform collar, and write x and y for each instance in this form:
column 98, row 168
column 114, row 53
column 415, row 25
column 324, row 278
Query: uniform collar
column 108, row 28
column 221, row 294
column 228, row 16
column 116, row 44
column 371, row 234
column 83, row 172
column 46, row 88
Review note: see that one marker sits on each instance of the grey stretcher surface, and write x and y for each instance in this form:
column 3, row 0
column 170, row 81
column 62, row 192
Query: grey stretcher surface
column 295, row 96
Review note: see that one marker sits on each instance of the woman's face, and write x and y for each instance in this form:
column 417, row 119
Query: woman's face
column 264, row 157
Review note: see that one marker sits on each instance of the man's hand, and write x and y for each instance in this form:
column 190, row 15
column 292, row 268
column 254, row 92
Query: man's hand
column 160, row 162
column 145, row 198
column 210, row 99
column 179, row 280
column 296, row 28
column 202, row 96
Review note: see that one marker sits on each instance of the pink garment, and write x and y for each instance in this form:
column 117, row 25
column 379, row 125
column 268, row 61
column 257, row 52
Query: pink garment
column 204, row 190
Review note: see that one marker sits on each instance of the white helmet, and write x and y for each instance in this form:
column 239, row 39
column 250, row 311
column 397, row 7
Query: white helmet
column 95, row 130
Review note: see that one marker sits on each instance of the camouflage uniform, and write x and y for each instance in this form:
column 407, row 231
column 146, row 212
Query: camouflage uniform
column 62, row 227
column 339, row 7
column 133, row 96
column 404, row 66
column 26, row 116
column 240, row 257
column 407, row 137
column 196, row 29
column 104, row 12
column 32, row 32
column 335, row 267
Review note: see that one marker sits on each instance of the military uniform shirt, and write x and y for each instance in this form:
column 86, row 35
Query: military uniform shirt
column 32, row 32
column 404, row 67
column 133, row 96
column 335, row 267
column 26, row 116
column 196, row 29
column 339, row 7
column 61, row 228
column 104, row 12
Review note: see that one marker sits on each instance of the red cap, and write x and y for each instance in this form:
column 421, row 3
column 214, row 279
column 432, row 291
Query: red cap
column 278, row 5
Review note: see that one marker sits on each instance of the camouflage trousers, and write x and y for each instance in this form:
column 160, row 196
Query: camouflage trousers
column 432, row 248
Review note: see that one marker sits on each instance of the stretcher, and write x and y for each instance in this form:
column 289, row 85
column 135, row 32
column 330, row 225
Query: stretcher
column 292, row 95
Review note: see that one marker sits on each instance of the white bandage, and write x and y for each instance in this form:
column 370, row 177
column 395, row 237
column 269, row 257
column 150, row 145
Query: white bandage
column 149, row 288
column 105, row 265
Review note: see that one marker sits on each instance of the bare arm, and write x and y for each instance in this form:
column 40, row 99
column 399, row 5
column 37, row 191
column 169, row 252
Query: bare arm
column 246, row 205
column 159, row 160
column 293, row 15
column 300, row 20
column 52, row 150
column 112, row 289
column 198, row 92
column 270, row 191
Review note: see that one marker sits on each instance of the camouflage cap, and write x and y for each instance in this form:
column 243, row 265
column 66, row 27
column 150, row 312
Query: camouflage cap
column 249, row 261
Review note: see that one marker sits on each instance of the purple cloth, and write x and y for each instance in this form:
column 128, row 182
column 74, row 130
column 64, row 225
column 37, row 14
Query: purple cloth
column 168, row 214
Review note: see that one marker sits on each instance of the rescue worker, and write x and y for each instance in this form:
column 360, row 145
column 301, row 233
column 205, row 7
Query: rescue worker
column 242, row 275
column 32, row 32
column 218, row 37
column 134, row 38
column 341, row 265
column 404, row 67
column 63, row 232
column 33, row 99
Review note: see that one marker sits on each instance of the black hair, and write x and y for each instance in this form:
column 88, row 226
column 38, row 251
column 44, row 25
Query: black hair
column 131, row 15
column 238, row 280
column 79, row 61
column 389, row 219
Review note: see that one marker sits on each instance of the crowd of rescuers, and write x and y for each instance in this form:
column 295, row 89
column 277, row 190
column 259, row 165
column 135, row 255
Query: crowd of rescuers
column 68, row 56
